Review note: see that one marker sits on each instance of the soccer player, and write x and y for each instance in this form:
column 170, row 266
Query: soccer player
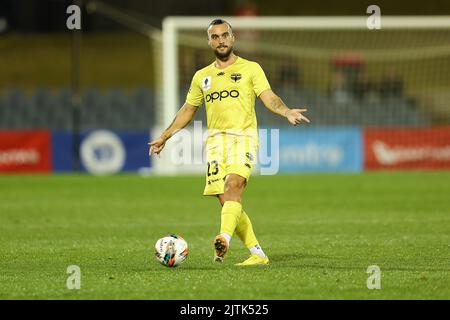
column 228, row 88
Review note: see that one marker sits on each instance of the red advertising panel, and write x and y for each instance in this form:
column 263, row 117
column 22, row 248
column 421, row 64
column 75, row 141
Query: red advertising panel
column 25, row 151
column 415, row 148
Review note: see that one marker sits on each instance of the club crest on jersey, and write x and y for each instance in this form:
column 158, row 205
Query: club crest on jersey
column 206, row 83
column 236, row 77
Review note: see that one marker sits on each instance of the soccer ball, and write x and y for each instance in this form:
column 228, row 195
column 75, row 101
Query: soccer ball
column 171, row 250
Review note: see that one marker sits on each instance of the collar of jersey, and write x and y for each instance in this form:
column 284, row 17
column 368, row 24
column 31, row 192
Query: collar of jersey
column 214, row 64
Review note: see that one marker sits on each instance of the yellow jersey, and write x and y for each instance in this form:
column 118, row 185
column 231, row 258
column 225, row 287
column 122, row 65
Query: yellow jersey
column 229, row 95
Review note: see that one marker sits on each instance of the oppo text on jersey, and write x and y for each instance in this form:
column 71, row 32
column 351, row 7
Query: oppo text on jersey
column 221, row 95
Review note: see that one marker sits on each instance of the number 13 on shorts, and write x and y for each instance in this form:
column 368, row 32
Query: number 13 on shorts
column 213, row 168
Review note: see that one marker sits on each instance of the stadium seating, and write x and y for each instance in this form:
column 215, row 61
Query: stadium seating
column 115, row 109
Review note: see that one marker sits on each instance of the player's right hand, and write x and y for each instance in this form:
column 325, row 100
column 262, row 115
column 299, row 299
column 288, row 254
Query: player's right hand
column 156, row 146
column 295, row 116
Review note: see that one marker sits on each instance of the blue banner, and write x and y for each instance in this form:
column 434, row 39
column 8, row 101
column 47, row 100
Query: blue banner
column 61, row 150
column 331, row 149
column 102, row 151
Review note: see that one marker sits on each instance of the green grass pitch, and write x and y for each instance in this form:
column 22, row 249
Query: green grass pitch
column 321, row 232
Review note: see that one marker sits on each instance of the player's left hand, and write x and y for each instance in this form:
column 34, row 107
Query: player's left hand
column 295, row 116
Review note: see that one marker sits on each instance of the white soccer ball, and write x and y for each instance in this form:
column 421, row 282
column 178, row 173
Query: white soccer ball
column 171, row 250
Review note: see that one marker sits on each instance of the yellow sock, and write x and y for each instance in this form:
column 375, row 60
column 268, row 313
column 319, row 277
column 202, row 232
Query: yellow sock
column 231, row 213
column 244, row 230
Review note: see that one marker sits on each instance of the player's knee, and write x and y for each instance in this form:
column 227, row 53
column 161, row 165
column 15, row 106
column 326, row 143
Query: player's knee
column 234, row 184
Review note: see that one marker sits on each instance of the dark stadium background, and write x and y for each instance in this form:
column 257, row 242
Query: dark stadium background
column 321, row 223
column 107, row 77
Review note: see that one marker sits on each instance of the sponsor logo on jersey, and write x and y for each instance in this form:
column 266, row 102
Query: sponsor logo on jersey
column 213, row 96
column 206, row 83
column 236, row 77
column 212, row 181
column 221, row 73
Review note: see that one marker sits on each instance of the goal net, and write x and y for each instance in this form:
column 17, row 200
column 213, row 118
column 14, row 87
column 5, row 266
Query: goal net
column 343, row 72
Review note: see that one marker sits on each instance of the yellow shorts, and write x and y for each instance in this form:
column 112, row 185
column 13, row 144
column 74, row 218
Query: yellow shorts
column 225, row 154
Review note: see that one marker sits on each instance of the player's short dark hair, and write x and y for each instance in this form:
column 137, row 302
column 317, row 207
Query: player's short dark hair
column 219, row 21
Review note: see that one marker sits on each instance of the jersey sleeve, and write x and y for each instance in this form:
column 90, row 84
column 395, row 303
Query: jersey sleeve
column 260, row 82
column 195, row 94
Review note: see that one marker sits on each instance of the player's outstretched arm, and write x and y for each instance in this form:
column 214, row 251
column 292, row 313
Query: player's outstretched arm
column 182, row 119
column 276, row 105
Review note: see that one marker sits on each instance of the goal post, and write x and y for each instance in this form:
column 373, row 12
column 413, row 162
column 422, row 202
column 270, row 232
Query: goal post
column 417, row 44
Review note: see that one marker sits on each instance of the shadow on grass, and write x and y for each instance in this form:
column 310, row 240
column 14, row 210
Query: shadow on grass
column 298, row 261
column 183, row 268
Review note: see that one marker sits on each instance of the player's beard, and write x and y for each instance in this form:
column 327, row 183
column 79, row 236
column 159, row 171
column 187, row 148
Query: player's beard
column 223, row 56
